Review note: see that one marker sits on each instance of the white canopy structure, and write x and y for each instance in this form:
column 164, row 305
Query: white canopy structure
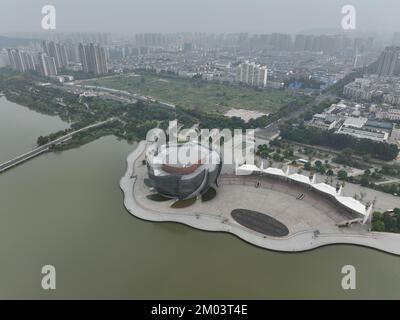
column 247, row 169
column 300, row 178
column 352, row 204
column 348, row 202
column 274, row 172
column 326, row 188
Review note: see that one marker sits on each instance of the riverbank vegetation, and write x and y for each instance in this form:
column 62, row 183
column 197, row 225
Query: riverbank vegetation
column 133, row 120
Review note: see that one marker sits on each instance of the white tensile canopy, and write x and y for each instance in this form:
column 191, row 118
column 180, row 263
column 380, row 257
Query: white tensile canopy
column 348, row 202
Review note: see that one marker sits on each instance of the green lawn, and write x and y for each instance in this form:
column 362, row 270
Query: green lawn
column 208, row 96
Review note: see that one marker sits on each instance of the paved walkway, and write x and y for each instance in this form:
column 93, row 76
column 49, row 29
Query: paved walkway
column 295, row 242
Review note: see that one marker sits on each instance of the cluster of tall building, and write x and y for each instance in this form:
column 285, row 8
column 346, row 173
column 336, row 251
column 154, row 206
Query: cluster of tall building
column 93, row 58
column 44, row 62
column 332, row 44
column 252, row 74
column 329, row 44
column 55, row 57
column 388, row 63
column 56, row 51
column 21, row 60
column 47, row 65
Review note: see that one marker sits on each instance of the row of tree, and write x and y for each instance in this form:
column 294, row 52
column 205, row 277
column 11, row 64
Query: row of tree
column 386, row 222
column 315, row 136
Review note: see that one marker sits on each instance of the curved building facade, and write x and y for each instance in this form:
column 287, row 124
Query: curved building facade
column 183, row 171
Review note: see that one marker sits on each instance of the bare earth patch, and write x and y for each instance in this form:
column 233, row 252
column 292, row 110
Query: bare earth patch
column 245, row 115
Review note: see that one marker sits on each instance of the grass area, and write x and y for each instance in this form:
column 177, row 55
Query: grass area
column 198, row 94
column 181, row 204
column 209, row 195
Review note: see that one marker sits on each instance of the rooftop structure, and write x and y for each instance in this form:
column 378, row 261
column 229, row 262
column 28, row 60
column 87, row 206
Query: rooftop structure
column 363, row 128
column 252, row 74
column 355, row 122
column 323, row 121
column 374, row 88
column 354, row 119
column 182, row 171
column 348, row 203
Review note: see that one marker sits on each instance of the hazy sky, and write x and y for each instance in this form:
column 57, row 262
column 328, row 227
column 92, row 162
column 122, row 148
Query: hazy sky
column 254, row 16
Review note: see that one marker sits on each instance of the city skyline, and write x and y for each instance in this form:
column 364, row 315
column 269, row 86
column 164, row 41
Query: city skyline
column 255, row 16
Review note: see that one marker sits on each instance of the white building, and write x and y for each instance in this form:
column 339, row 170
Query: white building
column 390, row 114
column 47, row 65
column 323, row 121
column 359, row 128
column 252, row 74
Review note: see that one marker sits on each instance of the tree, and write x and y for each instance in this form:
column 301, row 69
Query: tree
column 366, row 157
column 42, row 140
column 276, row 157
column 342, row 175
column 307, row 166
column 318, row 164
column 378, row 226
column 389, row 222
column 364, row 181
column 347, row 143
column 288, row 153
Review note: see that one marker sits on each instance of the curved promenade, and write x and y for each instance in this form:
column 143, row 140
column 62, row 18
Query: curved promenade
column 297, row 242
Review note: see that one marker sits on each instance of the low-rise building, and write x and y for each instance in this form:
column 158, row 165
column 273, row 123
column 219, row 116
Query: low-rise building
column 323, row 121
column 362, row 128
column 389, row 114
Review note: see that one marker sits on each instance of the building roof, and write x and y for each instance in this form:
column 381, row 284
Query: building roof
column 353, row 204
column 379, row 124
column 299, row 178
column 274, row 171
column 181, row 159
column 325, row 188
column 247, row 169
column 355, row 122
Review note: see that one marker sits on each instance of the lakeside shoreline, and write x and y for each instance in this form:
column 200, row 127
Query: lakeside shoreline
column 298, row 242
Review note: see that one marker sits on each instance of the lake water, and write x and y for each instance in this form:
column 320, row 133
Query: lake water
column 66, row 209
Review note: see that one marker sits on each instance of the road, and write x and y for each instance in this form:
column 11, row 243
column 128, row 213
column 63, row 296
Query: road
column 110, row 93
column 272, row 130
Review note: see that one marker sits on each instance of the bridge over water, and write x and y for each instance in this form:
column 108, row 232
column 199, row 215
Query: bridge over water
column 39, row 150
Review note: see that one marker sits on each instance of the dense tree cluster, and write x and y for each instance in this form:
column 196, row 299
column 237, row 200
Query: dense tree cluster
column 314, row 136
column 386, row 222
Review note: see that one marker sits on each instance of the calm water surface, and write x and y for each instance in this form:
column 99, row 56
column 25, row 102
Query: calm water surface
column 66, row 210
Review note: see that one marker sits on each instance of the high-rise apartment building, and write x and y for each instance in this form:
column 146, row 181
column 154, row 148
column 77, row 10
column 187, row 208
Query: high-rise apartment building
column 47, row 65
column 93, row 58
column 56, row 51
column 252, row 74
column 21, row 60
column 4, row 59
column 388, row 63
